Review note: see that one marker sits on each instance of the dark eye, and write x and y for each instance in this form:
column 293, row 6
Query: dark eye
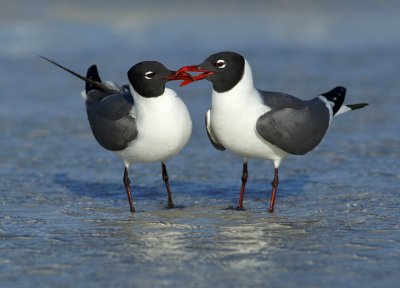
column 149, row 75
column 220, row 64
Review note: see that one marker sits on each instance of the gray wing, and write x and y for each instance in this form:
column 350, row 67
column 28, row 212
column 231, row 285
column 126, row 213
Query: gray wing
column 111, row 121
column 211, row 135
column 109, row 88
column 296, row 131
column 108, row 107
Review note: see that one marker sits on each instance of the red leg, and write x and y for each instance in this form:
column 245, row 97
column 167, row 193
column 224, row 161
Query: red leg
column 274, row 184
column 166, row 178
column 128, row 189
column 245, row 175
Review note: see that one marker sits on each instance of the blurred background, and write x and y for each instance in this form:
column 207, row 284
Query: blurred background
column 63, row 214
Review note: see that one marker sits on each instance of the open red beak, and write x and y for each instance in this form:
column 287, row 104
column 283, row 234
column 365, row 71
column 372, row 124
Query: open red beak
column 178, row 75
column 204, row 74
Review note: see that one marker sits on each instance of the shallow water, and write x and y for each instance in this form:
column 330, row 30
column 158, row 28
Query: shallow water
column 64, row 218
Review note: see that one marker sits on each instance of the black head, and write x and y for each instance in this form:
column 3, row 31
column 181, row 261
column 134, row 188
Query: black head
column 223, row 69
column 228, row 69
column 148, row 78
column 336, row 96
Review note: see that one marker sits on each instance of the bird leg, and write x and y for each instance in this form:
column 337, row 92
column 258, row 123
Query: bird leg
column 245, row 175
column 274, row 184
column 128, row 189
column 166, row 178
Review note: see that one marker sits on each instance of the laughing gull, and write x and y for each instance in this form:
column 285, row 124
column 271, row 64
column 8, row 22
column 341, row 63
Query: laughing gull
column 140, row 122
column 260, row 124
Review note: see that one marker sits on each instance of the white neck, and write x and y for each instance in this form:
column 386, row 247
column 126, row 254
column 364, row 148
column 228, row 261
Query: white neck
column 246, row 83
column 242, row 93
column 168, row 93
column 164, row 102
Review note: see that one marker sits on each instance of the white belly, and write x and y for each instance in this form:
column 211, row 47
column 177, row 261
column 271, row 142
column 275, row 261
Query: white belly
column 236, row 132
column 234, row 115
column 163, row 130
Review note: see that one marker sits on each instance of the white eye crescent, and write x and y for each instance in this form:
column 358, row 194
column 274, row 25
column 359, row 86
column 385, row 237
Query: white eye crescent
column 220, row 64
column 149, row 75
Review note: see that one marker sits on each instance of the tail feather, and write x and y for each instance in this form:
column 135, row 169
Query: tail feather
column 336, row 96
column 350, row 107
column 95, row 89
column 93, row 82
column 357, row 106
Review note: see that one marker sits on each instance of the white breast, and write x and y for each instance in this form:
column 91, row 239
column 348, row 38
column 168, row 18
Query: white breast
column 233, row 118
column 164, row 127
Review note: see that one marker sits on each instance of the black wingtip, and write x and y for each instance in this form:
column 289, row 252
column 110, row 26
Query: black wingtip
column 357, row 106
column 93, row 74
column 336, row 96
column 92, row 82
column 337, row 91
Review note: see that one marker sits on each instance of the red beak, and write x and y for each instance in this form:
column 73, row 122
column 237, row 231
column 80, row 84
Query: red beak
column 178, row 75
column 204, row 74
